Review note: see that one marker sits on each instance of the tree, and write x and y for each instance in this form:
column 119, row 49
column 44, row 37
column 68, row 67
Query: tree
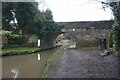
column 24, row 13
column 48, row 15
column 45, row 25
column 31, row 20
column 49, row 27
column 7, row 15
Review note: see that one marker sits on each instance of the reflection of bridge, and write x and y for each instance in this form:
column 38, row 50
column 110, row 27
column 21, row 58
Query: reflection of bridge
column 85, row 33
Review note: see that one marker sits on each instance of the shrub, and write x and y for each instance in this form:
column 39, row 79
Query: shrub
column 13, row 39
column 116, row 35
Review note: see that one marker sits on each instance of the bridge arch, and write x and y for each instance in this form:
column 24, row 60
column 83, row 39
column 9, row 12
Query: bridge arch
column 84, row 33
column 65, row 38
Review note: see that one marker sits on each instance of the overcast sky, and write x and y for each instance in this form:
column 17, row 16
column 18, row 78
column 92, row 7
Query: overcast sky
column 77, row 10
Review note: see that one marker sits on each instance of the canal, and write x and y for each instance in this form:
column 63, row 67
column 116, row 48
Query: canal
column 26, row 66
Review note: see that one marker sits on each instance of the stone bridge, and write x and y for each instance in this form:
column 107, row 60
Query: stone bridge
column 86, row 33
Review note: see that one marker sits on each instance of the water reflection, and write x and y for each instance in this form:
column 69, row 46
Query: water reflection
column 25, row 66
column 15, row 72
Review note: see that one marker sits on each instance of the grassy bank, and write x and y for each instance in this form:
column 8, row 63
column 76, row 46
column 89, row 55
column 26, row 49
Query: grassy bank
column 51, row 61
column 19, row 50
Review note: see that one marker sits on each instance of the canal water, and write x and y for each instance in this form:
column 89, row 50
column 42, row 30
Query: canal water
column 25, row 66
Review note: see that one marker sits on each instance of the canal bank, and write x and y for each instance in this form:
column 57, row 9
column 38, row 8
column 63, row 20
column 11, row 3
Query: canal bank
column 52, row 61
column 22, row 51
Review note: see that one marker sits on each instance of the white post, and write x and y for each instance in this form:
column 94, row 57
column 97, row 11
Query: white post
column 38, row 42
column 38, row 56
column 73, row 29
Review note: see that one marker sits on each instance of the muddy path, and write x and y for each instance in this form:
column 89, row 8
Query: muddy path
column 84, row 64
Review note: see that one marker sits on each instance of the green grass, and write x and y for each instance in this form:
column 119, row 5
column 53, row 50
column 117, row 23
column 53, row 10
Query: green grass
column 18, row 50
column 52, row 61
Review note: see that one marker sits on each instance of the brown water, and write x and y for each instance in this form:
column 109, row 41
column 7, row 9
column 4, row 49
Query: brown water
column 25, row 66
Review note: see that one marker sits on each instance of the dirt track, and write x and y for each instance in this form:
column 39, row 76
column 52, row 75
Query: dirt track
column 84, row 64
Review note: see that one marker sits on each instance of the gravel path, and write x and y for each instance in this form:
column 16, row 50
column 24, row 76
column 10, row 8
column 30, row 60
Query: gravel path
column 84, row 64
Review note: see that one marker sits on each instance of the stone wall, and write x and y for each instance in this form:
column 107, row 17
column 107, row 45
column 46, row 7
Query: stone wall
column 87, row 37
column 87, row 24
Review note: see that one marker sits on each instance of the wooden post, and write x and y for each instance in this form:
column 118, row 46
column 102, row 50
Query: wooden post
column 108, row 38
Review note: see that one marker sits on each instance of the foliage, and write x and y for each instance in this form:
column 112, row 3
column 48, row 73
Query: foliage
column 7, row 33
column 45, row 25
column 24, row 13
column 116, row 11
column 29, row 20
column 48, row 15
column 116, row 25
column 115, row 7
column 49, row 27
column 116, row 33
column 13, row 39
column 38, row 23
column 7, row 15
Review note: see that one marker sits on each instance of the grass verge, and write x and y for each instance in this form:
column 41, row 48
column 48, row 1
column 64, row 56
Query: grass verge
column 53, row 60
column 19, row 50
